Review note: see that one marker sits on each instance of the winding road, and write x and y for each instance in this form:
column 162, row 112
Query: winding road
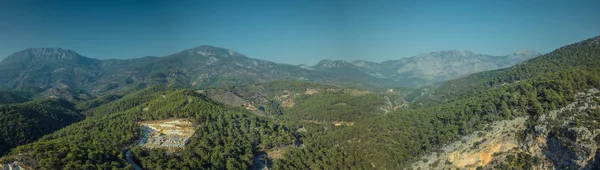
column 130, row 160
column 129, row 156
column 260, row 164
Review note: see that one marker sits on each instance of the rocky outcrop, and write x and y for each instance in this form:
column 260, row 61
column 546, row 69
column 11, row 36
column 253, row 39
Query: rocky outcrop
column 565, row 138
column 477, row 149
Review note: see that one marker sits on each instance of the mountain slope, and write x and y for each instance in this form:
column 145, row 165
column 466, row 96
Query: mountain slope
column 22, row 123
column 208, row 66
column 50, row 69
column 583, row 54
column 7, row 97
column 66, row 74
column 427, row 68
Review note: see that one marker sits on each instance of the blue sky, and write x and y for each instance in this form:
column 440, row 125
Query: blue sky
column 296, row 31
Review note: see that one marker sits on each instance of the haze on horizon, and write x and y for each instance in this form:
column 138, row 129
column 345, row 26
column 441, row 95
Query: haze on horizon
column 296, row 32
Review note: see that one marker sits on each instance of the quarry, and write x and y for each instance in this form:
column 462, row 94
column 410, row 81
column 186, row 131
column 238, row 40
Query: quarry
column 170, row 134
column 11, row 166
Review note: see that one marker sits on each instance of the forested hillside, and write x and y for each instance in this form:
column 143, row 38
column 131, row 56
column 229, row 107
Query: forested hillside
column 396, row 140
column 305, row 101
column 7, row 97
column 22, row 123
column 114, row 103
column 226, row 137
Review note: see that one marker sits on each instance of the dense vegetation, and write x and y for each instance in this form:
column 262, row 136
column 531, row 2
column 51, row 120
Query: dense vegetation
column 336, row 106
column 396, row 140
column 115, row 103
column 21, row 123
column 294, row 86
column 305, row 101
column 7, row 97
column 226, row 137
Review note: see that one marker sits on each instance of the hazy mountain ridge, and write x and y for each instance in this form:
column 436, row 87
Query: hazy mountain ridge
column 430, row 68
column 63, row 72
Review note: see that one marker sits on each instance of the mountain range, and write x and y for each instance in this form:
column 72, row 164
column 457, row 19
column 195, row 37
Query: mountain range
column 66, row 73
column 542, row 113
column 427, row 68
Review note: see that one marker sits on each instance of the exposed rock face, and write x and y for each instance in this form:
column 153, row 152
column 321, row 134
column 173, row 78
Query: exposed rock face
column 476, row 150
column 566, row 138
column 572, row 154
column 170, row 134
column 562, row 139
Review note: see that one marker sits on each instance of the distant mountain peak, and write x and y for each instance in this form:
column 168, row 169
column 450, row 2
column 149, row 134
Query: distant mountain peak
column 362, row 62
column 447, row 53
column 51, row 52
column 328, row 63
column 37, row 54
column 525, row 52
column 210, row 51
column 304, row 66
column 325, row 61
